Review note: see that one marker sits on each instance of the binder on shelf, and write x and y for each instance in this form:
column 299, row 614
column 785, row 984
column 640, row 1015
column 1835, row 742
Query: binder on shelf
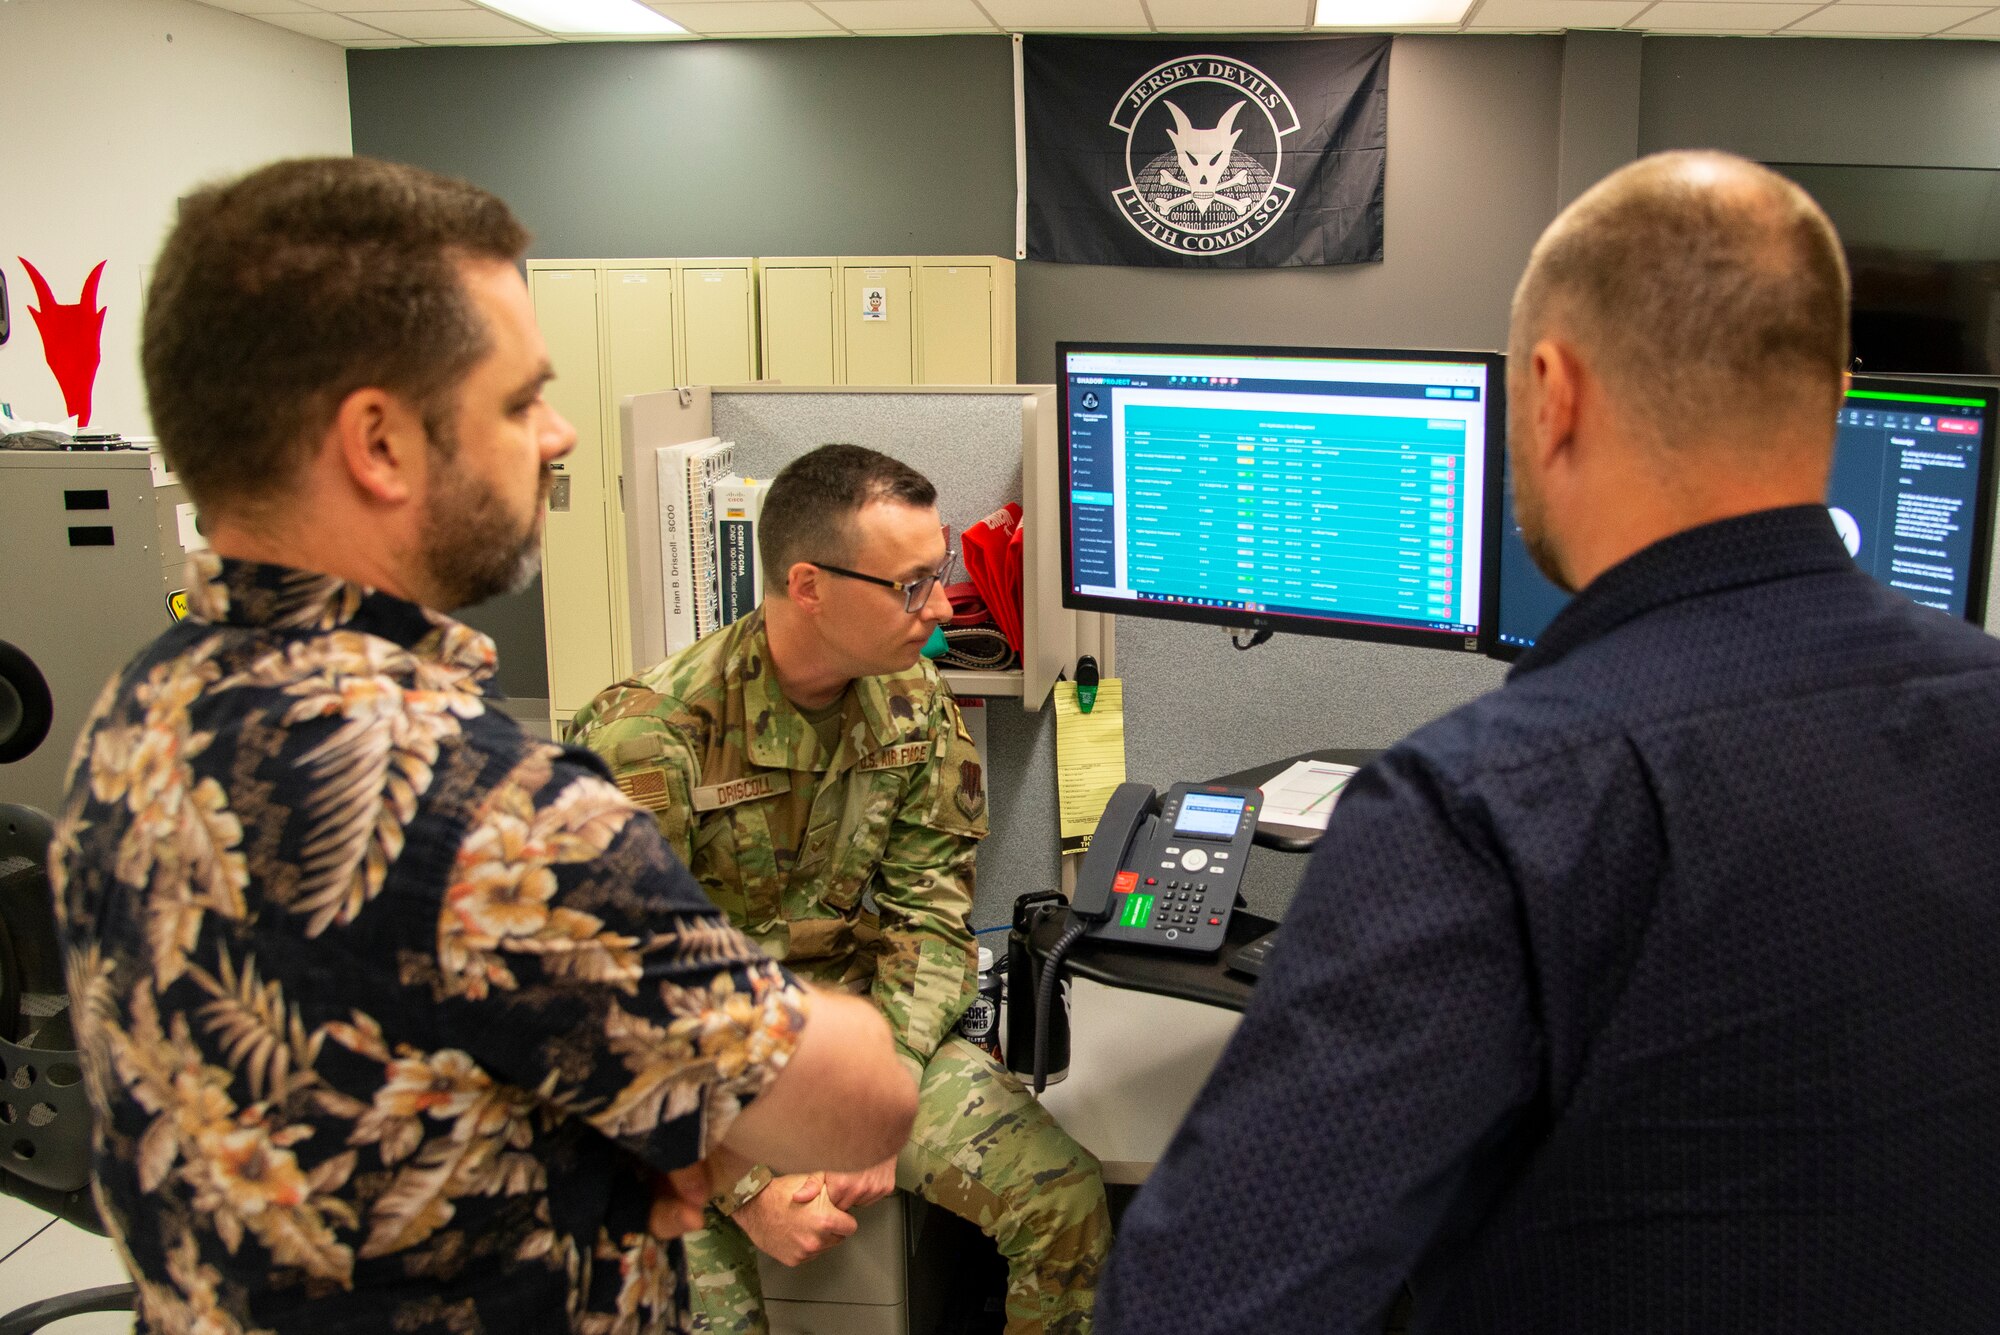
column 689, row 579
column 738, row 502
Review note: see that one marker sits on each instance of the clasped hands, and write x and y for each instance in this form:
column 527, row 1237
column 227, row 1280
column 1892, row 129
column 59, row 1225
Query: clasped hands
column 793, row 1219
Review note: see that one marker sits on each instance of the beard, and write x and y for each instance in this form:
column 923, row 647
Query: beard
column 473, row 547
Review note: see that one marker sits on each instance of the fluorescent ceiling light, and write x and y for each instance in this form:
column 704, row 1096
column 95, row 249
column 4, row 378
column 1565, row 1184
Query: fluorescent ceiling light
column 599, row 18
column 1390, row 13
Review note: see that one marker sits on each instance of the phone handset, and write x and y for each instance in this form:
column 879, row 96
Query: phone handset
column 1110, row 847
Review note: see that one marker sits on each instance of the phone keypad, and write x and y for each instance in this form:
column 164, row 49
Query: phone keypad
column 1181, row 905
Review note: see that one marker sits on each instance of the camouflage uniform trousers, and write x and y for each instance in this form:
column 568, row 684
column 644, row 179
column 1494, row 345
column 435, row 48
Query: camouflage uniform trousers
column 984, row 1149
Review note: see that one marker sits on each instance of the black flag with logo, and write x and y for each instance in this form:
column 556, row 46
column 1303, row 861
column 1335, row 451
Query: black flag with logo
column 1206, row 155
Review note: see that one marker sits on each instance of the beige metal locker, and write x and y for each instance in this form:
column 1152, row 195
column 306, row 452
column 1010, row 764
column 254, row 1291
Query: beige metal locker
column 800, row 325
column 965, row 320
column 877, row 322
column 718, row 326
column 955, row 325
column 576, row 575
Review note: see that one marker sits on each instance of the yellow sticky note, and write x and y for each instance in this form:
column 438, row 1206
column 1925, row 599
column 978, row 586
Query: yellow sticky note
column 1090, row 758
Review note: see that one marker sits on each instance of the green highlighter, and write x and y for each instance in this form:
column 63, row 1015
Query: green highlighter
column 936, row 646
column 1086, row 684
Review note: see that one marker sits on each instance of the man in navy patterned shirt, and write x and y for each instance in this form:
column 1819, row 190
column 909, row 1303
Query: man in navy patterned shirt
column 394, row 1017
column 1657, row 990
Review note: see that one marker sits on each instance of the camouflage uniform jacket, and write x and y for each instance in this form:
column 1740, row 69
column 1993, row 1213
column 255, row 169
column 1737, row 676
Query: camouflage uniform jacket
column 854, row 868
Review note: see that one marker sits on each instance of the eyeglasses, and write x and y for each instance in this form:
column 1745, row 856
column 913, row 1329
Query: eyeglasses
column 916, row 592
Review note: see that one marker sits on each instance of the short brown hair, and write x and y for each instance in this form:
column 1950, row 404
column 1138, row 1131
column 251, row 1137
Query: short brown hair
column 813, row 500
column 1700, row 285
column 279, row 294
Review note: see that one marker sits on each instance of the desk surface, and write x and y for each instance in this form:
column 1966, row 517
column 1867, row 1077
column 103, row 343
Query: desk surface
column 1126, row 1095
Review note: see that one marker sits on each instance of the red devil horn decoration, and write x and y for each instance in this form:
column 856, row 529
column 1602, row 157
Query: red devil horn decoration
column 89, row 298
column 42, row 293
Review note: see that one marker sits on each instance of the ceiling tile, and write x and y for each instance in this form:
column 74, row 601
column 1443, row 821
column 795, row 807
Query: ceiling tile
column 385, row 44
column 326, row 27
column 445, row 25
column 1986, row 26
column 536, row 40
column 1886, row 20
column 263, row 7
column 1515, row 15
column 1709, row 16
column 754, row 17
column 1209, row 16
column 1068, row 15
column 362, row 8
column 907, row 15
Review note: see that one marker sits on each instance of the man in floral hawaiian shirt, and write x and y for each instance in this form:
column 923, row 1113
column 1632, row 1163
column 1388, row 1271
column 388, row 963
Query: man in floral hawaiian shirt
column 395, row 1017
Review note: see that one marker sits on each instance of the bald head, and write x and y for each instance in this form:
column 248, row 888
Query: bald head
column 1700, row 288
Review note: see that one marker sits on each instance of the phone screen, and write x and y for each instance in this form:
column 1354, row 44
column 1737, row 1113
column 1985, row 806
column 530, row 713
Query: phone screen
column 1209, row 816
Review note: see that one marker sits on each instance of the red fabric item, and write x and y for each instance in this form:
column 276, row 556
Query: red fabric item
column 967, row 607
column 1014, row 601
column 992, row 554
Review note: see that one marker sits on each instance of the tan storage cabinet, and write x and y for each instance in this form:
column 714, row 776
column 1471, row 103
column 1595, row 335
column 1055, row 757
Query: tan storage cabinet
column 616, row 328
column 577, row 601
column 888, row 320
column 965, row 321
column 877, row 322
column 718, row 323
column 801, row 332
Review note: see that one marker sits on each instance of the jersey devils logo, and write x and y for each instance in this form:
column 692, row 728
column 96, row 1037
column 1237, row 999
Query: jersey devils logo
column 1204, row 138
column 72, row 339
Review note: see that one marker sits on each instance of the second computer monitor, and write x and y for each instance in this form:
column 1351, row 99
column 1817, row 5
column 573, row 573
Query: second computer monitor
column 1911, row 494
column 1326, row 491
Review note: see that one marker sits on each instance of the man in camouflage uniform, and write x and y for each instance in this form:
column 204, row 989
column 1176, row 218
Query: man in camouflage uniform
column 814, row 772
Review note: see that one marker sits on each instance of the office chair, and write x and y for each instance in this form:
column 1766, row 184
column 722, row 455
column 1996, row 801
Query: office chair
column 44, row 1114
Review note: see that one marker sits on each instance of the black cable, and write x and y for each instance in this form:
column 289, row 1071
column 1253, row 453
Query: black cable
column 1045, row 994
column 1255, row 640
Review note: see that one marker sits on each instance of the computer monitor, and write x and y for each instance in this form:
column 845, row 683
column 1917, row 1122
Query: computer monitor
column 1326, row 491
column 1911, row 493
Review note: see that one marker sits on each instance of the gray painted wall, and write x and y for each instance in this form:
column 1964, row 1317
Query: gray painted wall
column 1919, row 104
column 878, row 146
column 834, row 147
column 871, row 146
column 810, row 147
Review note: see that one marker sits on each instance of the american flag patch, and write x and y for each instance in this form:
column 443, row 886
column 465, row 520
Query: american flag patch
column 647, row 787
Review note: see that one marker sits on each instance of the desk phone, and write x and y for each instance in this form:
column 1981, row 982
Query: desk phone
column 1164, row 872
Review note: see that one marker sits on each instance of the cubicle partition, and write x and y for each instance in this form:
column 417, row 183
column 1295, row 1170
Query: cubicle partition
column 983, row 445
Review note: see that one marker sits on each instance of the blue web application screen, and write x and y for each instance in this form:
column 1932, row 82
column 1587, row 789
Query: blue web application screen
column 1306, row 488
column 1905, row 494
